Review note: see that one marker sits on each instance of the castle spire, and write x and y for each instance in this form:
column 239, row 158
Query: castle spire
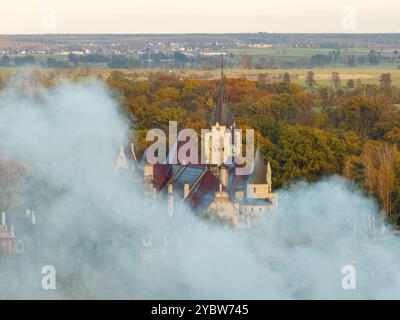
column 269, row 173
column 222, row 112
column 259, row 173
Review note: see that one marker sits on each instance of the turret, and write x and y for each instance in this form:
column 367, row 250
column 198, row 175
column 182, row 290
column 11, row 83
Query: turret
column 122, row 162
column 269, row 177
column 222, row 113
column 259, row 182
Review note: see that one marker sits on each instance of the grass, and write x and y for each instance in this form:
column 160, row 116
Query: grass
column 366, row 74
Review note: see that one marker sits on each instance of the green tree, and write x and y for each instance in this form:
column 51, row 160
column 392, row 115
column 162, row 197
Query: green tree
column 350, row 84
column 286, row 78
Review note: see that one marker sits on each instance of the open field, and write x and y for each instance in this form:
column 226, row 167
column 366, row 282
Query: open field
column 322, row 75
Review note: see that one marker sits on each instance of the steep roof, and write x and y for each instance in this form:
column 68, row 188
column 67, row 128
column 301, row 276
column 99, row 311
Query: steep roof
column 204, row 192
column 222, row 112
column 126, row 157
column 162, row 174
column 259, row 172
column 203, row 184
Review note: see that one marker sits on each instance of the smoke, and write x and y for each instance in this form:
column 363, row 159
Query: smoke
column 92, row 222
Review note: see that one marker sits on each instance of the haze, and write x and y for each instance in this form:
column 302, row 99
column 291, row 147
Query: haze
column 207, row 16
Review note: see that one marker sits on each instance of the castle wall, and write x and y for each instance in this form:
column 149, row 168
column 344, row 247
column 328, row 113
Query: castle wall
column 258, row 191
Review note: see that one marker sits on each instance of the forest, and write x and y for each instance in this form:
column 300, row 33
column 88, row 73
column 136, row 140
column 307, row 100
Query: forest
column 347, row 128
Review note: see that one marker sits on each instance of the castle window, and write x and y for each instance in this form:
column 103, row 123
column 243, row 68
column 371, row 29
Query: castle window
column 252, row 209
column 147, row 240
column 260, row 209
column 254, row 190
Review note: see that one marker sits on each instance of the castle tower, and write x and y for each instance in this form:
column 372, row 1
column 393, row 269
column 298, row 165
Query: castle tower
column 259, row 197
column 259, row 184
column 219, row 145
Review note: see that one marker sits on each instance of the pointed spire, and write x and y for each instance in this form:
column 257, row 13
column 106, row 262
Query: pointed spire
column 258, row 174
column 122, row 162
column 269, row 173
column 222, row 113
column 222, row 66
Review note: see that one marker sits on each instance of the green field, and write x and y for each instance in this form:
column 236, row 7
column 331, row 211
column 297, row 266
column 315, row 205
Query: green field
column 322, row 75
column 304, row 52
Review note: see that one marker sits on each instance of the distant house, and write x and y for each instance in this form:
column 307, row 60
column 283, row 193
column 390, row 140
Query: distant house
column 7, row 238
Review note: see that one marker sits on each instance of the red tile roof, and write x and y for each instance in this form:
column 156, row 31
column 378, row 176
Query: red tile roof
column 162, row 173
column 204, row 192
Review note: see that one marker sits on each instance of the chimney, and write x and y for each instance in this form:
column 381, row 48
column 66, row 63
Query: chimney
column 28, row 213
column 12, row 231
column 3, row 218
column 223, row 175
column 185, row 190
column 170, row 200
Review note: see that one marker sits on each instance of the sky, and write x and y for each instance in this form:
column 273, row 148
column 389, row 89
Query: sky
column 198, row 16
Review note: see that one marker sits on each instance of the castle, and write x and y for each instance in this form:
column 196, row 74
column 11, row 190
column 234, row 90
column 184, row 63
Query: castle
column 214, row 187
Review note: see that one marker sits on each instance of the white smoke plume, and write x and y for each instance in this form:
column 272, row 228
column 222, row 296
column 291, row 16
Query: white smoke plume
column 92, row 222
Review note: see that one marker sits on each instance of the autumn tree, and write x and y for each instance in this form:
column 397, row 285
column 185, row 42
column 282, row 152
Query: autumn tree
column 385, row 81
column 335, row 81
column 310, row 80
column 246, row 62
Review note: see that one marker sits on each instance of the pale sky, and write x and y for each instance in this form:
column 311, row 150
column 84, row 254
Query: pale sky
column 196, row 16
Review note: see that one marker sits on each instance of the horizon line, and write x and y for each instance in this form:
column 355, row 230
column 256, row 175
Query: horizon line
column 202, row 33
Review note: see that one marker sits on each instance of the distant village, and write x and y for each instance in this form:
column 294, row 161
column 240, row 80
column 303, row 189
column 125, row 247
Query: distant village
column 194, row 51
